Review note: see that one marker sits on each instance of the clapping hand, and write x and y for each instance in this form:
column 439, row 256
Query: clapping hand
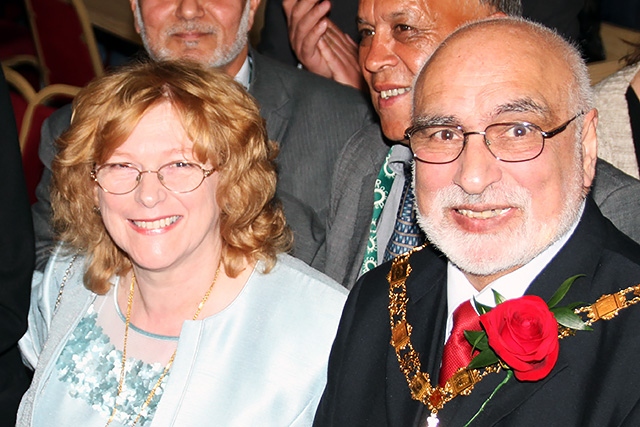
column 321, row 47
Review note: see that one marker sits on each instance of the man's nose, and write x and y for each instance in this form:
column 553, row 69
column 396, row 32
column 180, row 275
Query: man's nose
column 477, row 167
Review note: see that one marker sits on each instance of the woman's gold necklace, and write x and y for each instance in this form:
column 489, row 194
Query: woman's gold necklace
column 124, row 349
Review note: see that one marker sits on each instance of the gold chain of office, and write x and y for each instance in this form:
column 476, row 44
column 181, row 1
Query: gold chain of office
column 463, row 381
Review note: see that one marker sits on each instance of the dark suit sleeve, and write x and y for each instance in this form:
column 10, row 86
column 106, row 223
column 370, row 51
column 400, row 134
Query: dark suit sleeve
column 308, row 229
column 618, row 197
column 16, row 262
column 52, row 128
column 355, row 392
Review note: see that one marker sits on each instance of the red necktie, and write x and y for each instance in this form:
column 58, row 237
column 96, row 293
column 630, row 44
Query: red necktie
column 457, row 350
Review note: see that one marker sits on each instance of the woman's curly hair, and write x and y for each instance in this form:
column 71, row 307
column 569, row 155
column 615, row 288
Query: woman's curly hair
column 227, row 131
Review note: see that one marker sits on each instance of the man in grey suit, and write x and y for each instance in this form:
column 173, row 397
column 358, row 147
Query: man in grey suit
column 311, row 117
column 398, row 36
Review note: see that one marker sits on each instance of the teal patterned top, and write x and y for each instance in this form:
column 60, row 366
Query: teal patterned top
column 87, row 373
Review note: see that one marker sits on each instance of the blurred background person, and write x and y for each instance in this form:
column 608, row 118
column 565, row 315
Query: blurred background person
column 16, row 262
column 171, row 301
column 616, row 98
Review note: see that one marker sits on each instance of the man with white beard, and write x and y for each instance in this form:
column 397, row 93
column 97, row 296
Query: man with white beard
column 505, row 149
column 311, row 117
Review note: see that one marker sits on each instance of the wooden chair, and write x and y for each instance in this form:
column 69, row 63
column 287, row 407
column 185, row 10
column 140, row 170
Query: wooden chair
column 17, row 50
column 21, row 93
column 65, row 42
column 31, row 109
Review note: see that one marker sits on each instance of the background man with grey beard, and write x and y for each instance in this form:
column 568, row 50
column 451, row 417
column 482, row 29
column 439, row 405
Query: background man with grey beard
column 311, row 117
column 504, row 140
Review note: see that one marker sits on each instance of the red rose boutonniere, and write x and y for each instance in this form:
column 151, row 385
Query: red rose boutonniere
column 522, row 334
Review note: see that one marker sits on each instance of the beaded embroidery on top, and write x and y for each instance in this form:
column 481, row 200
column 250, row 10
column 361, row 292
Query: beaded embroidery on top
column 90, row 365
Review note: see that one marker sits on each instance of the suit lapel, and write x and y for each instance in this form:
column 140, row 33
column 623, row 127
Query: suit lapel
column 512, row 395
column 361, row 234
column 273, row 98
column 352, row 204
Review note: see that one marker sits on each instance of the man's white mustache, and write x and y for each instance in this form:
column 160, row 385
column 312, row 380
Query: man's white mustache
column 191, row 27
column 454, row 196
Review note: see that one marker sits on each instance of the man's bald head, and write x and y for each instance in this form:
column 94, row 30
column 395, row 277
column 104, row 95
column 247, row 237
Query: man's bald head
column 519, row 40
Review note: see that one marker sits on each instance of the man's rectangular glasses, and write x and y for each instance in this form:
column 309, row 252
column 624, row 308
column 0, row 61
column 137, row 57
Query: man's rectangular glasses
column 508, row 142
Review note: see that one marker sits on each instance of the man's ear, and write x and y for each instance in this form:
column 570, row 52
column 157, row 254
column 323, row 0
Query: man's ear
column 589, row 146
column 133, row 10
column 253, row 7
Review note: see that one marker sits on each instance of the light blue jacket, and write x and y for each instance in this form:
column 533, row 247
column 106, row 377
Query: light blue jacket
column 260, row 361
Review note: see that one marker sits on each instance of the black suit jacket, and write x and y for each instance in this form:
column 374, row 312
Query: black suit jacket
column 16, row 262
column 595, row 381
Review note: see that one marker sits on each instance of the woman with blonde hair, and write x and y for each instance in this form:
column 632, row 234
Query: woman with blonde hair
column 170, row 300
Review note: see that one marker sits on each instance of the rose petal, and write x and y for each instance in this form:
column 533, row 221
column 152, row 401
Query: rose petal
column 523, row 333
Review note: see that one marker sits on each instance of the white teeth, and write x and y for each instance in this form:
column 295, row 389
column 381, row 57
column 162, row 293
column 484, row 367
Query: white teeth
column 491, row 213
column 160, row 223
column 386, row 94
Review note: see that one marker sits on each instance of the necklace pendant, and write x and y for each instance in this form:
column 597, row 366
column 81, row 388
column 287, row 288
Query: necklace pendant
column 433, row 420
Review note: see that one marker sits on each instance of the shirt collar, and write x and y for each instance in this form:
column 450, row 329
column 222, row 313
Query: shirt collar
column 400, row 156
column 244, row 74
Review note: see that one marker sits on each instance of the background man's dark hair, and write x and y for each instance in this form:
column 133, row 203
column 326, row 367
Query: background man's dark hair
column 510, row 7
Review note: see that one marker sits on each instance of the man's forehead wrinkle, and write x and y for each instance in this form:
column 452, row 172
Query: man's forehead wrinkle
column 414, row 9
column 413, row 14
column 523, row 105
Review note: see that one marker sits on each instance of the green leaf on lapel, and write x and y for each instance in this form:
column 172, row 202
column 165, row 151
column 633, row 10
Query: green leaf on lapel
column 477, row 339
column 499, row 299
column 485, row 358
column 562, row 290
column 566, row 317
column 481, row 308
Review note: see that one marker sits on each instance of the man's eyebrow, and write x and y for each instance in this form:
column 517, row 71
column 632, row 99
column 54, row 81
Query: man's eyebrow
column 525, row 105
column 436, row 120
column 401, row 14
